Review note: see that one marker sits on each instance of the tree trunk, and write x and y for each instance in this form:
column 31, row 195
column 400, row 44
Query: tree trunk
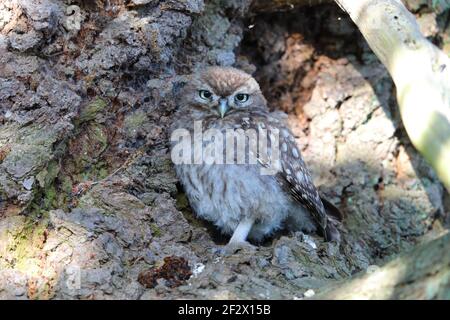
column 421, row 73
column 88, row 197
column 423, row 273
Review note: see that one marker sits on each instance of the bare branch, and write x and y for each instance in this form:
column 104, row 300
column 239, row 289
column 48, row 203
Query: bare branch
column 421, row 73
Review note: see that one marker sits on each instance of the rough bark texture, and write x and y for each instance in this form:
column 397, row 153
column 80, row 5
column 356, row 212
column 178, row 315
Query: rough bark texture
column 88, row 196
column 421, row 73
column 423, row 273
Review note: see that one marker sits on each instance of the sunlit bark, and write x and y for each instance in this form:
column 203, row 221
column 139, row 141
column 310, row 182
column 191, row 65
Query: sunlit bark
column 421, row 73
column 420, row 70
column 423, row 273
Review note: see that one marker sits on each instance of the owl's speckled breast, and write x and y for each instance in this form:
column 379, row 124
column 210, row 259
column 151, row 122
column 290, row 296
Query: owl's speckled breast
column 225, row 194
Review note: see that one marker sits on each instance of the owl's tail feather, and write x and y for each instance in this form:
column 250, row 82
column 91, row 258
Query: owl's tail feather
column 334, row 216
column 331, row 209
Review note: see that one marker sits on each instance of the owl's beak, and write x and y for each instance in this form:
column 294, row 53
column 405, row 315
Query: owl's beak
column 223, row 107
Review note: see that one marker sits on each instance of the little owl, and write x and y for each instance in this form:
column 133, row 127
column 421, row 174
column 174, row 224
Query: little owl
column 237, row 197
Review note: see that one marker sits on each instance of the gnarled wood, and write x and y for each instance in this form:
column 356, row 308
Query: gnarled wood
column 421, row 73
column 423, row 273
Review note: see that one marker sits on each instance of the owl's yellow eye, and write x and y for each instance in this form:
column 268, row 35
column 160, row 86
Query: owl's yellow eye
column 241, row 97
column 205, row 94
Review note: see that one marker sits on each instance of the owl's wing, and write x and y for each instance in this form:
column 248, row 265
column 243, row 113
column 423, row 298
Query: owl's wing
column 293, row 174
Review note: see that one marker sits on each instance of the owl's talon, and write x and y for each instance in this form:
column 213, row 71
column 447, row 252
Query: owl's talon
column 234, row 247
column 218, row 250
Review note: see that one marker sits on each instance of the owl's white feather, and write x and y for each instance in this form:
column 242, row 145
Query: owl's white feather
column 237, row 198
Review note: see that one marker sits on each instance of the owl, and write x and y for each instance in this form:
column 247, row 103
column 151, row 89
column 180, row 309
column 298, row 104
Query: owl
column 241, row 200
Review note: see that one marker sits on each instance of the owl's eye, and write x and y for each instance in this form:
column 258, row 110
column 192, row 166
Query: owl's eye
column 241, row 97
column 205, row 94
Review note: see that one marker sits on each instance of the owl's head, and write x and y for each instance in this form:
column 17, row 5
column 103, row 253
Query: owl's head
column 222, row 91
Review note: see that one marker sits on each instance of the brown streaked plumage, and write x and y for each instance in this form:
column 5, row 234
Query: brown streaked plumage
column 225, row 81
column 236, row 197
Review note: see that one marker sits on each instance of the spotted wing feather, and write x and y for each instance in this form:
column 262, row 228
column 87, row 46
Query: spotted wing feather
column 299, row 181
column 293, row 174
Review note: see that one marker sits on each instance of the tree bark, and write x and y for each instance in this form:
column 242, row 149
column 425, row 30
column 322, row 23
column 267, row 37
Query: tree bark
column 421, row 73
column 423, row 273
column 88, row 196
column 278, row 5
